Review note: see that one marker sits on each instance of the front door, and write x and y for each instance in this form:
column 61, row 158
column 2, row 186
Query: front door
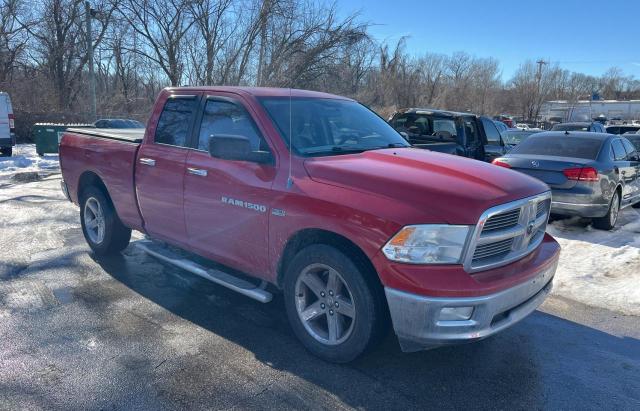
column 494, row 147
column 160, row 170
column 227, row 202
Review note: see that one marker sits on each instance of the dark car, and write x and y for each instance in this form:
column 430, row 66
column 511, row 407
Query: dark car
column 593, row 127
column 462, row 134
column 118, row 123
column 513, row 137
column 623, row 129
column 590, row 174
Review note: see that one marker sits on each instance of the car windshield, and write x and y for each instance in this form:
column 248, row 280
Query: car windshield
column 570, row 127
column 560, row 146
column 329, row 126
column 516, row 137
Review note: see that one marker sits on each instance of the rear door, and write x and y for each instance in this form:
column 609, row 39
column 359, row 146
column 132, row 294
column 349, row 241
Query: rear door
column 160, row 170
column 624, row 169
column 227, row 202
column 494, row 146
column 634, row 162
column 5, row 135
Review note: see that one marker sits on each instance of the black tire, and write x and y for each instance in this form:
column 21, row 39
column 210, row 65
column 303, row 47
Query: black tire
column 636, row 205
column 367, row 298
column 116, row 236
column 608, row 222
column 6, row 151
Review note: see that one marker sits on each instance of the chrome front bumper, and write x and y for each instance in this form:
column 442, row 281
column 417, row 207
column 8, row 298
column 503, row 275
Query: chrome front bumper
column 418, row 324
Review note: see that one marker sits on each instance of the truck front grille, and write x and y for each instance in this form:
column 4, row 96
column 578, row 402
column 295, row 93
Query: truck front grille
column 508, row 232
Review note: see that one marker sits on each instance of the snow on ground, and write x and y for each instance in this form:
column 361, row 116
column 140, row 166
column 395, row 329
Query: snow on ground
column 600, row 268
column 597, row 268
column 25, row 159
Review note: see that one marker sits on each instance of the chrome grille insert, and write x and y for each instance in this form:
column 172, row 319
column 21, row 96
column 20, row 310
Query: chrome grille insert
column 508, row 232
column 502, row 221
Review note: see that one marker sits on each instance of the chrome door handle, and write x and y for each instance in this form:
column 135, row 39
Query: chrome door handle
column 148, row 162
column 197, row 172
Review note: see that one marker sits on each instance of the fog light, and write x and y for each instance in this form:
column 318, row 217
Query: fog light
column 455, row 313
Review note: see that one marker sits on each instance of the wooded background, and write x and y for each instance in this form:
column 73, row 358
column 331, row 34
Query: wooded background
column 142, row 46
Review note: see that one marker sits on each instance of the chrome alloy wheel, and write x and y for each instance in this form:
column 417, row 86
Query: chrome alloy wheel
column 324, row 304
column 615, row 209
column 94, row 220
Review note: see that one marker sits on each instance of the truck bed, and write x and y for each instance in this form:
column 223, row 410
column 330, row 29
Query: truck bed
column 131, row 135
column 109, row 154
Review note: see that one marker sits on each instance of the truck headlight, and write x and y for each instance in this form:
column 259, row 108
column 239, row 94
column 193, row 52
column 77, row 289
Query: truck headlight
column 428, row 244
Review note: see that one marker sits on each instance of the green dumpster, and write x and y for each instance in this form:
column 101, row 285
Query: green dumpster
column 47, row 135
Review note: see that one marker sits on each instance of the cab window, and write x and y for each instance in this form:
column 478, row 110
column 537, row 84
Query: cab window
column 175, row 121
column 222, row 117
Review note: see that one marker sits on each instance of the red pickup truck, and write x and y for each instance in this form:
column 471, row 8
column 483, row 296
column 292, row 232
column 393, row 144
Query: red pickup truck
column 317, row 196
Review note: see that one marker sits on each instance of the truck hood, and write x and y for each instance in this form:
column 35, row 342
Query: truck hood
column 440, row 187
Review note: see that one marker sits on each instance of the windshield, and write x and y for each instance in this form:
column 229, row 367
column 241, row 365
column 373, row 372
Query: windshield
column 422, row 128
column 560, row 146
column 330, row 127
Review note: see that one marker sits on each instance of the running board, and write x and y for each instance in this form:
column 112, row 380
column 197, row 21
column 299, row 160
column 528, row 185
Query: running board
column 236, row 284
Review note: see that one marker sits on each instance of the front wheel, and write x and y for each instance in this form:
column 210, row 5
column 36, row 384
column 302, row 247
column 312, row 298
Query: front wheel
column 335, row 311
column 609, row 220
column 101, row 226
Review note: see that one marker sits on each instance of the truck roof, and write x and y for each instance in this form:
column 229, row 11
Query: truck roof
column 431, row 111
column 260, row 91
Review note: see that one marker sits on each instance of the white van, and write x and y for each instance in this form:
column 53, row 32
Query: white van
column 7, row 126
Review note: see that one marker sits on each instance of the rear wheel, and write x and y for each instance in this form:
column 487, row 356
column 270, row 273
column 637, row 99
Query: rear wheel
column 609, row 221
column 101, row 226
column 335, row 312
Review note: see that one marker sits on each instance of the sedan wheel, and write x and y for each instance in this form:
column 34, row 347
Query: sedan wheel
column 608, row 222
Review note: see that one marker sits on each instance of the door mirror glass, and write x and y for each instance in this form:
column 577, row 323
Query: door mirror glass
column 235, row 147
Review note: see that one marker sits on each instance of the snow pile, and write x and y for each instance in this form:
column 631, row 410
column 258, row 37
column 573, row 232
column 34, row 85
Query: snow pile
column 600, row 268
column 26, row 159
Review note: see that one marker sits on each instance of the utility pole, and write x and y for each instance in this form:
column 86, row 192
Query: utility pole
column 540, row 63
column 89, row 13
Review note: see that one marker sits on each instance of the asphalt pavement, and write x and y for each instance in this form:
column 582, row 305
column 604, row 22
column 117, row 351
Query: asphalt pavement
column 81, row 332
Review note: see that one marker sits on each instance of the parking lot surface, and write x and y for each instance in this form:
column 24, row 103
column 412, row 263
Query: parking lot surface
column 78, row 332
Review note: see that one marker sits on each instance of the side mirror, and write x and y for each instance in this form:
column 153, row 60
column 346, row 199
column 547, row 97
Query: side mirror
column 234, row 147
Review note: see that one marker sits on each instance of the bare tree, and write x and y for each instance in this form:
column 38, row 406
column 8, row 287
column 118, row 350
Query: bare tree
column 163, row 25
column 13, row 36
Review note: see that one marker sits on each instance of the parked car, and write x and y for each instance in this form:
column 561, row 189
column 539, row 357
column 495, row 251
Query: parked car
column 118, row 123
column 622, row 129
column 522, row 126
column 461, row 134
column 513, row 136
column 507, row 120
column 590, row 174
column 316, row 195
column 593, row 127
column 7, row 126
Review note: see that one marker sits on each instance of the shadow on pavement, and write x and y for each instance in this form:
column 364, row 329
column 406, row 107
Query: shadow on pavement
column 543, row 362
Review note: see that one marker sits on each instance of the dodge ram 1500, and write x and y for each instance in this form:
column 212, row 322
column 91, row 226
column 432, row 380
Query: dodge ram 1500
column 317, row 196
